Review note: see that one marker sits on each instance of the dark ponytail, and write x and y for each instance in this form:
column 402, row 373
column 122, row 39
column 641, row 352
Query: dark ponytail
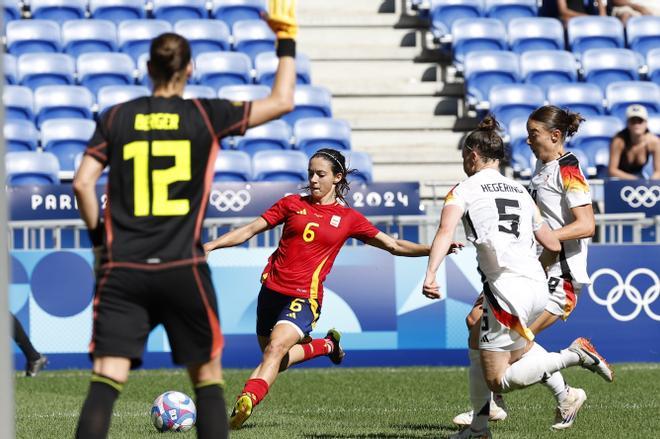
column 169, row 56
column 338, row 165
column 486, row 139
column 555, row 118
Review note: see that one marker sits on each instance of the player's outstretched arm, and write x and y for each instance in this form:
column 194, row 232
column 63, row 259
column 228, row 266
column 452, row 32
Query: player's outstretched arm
column 441, row 245
column 84, row 186
column 237, row 236
column 398, row 247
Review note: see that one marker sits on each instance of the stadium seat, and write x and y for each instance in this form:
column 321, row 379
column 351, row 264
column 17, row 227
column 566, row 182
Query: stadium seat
column 280, row 166
column 315, row 133
column 514, row 100
column 231, row 11
column 547, row 67
column 586, row 99
column 219, row 69
column 361, row 162
column 117, row 10
column 20, row 135
column 507, row 10
column 62, row 101
column 539, row 33
column 653, row 64
column 103, row 179
column 66, row 138
column 621, row 94
column 310, row 101
column 19, row 102
column 444, row 13
column 233, row 166
column 175, row 10
column 27, row 168
column 654, row 124
column 648, row 169
column 477, row 34
column 96, row 70
column 32, row 36
column 253, row 37
column 204, row 35
column 134, row 36
column 521, row 153
column 39, row 69
column 199, row 91
column 594, row 32
column 244, row 92
column 12, row 11
column 604, row 66
column 115, row 94
column 272, row 135
column 85, row 36
column 11, row 69
column 643, row 33
column 58, row 10
column 594, row 137
column 266, row 64
column 483, row 70
column 143, row 71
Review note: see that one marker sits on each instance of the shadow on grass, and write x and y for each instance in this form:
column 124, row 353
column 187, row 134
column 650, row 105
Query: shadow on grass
column 425, row 430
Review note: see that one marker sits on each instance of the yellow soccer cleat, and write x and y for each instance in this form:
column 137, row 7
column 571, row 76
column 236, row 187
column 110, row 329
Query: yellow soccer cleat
column 242, row 411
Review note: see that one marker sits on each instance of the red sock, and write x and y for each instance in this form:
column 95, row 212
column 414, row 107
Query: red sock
column 257, row 388
column 317, row 347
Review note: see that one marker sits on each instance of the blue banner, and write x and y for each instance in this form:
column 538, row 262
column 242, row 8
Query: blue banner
column 622, row 196
column 225, row 200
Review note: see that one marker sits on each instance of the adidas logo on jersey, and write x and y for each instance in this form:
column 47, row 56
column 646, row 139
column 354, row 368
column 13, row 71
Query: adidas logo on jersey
column 302, row 212
column 484, row 339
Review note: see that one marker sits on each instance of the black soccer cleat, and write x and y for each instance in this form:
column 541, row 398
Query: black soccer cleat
column 33, row 367
column 337, row 355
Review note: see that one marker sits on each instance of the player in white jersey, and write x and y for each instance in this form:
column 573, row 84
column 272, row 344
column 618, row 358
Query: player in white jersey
column 501, row 220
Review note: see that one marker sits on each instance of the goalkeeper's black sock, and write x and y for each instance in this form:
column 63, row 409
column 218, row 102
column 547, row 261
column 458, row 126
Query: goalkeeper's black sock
column 96, row 412
column 23, row 341
column 211, row 412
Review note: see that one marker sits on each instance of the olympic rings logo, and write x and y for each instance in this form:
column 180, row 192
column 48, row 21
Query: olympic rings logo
column 224, row 201
column 640, row 196
column 641, row 301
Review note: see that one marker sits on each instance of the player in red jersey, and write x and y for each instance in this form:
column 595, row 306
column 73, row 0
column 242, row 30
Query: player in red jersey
column 316, row 226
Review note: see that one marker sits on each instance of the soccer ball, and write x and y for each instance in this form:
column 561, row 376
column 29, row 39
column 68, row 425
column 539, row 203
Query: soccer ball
column 173, row 411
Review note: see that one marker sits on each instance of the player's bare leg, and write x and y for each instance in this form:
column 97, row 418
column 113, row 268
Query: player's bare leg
column 209, row 391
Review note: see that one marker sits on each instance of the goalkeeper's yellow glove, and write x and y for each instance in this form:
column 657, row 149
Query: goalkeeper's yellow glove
column 281, row 18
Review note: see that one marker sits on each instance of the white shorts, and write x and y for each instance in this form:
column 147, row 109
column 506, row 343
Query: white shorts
column 563, row 296
column 511, row 304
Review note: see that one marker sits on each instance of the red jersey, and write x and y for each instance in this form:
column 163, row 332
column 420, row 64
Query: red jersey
column 312, row 237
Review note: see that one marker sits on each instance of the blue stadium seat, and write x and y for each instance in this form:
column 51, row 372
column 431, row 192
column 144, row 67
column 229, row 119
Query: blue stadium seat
column 204, row 35
column 272, row 135
column 86, row 36
column 96, row 70
column 594, row 137
column 266, row 64
column 175, row 10
column 648, row 169
column 231, row 11
column 483, row 70
column 219, row 69
column 444, row 13
column 11, row 69
column 605, row 66
column 253, row 37
column 477, row 34
column 275, row 165
column 19, row 102
column 653, row 64
column 11, row 10
column 134, row 36
column 117, row 10
column 507, row 10
column 539, row 33
column 103, row 179
column 233, row 166
column 363, row 165
column 193, row 91
column 20, row 135
column 28, row 168
column 143, row 72
column 621, row 94
column 244, row 92
column 58, row 10
column 521, row 153
column 62, row 101
column 33, row 36
column 39, row 69
column 514, row 100
column 66, row 138
column 586, row 99
column 315, row 133
column 643, row 33
column 547, row 67
column 115, row 94
column 654, row 124
column 594, row 32
column 310, row 101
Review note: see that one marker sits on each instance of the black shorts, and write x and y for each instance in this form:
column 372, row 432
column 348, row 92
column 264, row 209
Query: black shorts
column 274, row 307
column 129, row 303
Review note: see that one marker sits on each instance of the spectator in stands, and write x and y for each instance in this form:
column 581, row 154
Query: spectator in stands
column 35, row 360
column 575, row 8
column 625, row 9
column 632, row 147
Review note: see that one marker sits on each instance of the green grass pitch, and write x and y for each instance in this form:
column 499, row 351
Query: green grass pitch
column 406, row 402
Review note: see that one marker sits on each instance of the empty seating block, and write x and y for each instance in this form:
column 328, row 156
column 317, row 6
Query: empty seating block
column 232, row 166
column 516, row 100
column 19, row 102
column 85, row 36
column 594, row 32
column 32, row 36
column 39, row 69
column 66, row 138
column 219, row 69
column 478, row 34
column 653, row 64
column 444, row 13
column 204, row 35
column 507, row 10
column 483, row 70
column 175, row 10
column 594, row 137
column 621, row 94
column 586, row 99
column 117, row 10
column 540, row 33
column 11, row 68
column 31, row 168
column 605, row 66
column 361, row 162
column 96, row 70
column 643, row 33
column 272, row 135
column 199, row 91
column 231, row 11
column 313, row 134
column 58, row 10
column 134, row 36
column 20, row 135
column 62, row 101
column 244, row 92
column 522, row 158
column 266, row 64
column 547, row 67
column 280, row 166
column 310, row 101
column 253, row 37
column 11, row 11
column 116, row 94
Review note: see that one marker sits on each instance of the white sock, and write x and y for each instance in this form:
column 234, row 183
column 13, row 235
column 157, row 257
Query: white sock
column 556, row 382
column 531, row 369
column 479, row 393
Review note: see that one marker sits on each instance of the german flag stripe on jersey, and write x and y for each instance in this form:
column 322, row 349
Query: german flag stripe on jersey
column 450, row 196
column 505, row 318
column 571, row 176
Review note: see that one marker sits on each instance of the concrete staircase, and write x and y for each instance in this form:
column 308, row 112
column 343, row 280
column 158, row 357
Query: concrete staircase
column 394, row 104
